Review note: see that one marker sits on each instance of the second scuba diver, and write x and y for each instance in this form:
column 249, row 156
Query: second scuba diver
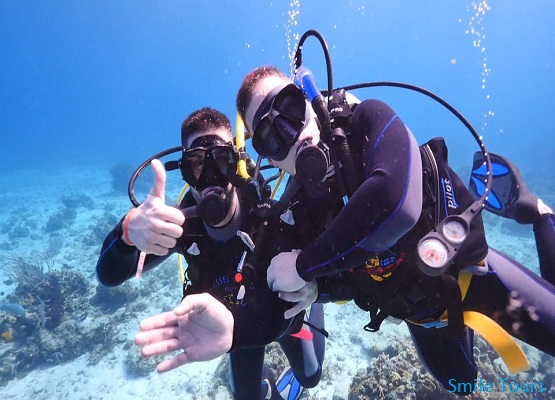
column 227, row 249
column 367, row 250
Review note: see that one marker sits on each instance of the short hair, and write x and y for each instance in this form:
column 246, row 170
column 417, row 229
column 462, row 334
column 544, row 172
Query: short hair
column 203, row 120
column 249, row 82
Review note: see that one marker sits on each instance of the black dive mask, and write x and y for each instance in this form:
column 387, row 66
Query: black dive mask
column 279, row 121
column 210, row 161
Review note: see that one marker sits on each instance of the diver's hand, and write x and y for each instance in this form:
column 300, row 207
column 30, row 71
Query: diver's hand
column 304, row 297
column 282, row 272
column 200, row 326
column 154, row 227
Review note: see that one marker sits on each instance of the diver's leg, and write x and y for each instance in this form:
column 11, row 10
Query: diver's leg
column 510, row 198
column 306, row 355
column 246, row 372
column 531, row 209
column 447, row 356
column 544, row 231
column 518, row 300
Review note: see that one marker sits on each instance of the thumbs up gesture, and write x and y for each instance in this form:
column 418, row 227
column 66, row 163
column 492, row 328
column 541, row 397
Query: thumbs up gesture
column 154, row 227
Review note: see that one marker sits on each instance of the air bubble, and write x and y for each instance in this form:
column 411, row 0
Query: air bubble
column 476, row 29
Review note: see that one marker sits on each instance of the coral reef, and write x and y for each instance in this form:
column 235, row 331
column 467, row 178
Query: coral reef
column 67, row 214
column 121, row 173
column 402, row 376
column 63, row 218
column 20, row 224
column 38, row 291
column 109, row 299
column 396, row 374
column 76, row 200
column 27, row 273
column 98, row 232
column 56, row 325
column 67, row 315
column 138, row 365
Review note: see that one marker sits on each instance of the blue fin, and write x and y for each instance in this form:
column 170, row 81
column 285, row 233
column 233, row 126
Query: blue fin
column 509, row 196
column 503, row 191
column 287, row 385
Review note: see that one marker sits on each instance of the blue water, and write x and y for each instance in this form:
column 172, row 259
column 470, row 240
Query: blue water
column 88, row 84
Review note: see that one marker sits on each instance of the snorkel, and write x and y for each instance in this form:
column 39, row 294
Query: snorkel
column 241, row 147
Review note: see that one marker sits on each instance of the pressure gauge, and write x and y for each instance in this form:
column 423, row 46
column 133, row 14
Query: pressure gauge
column 454, row 231
column 433, row 255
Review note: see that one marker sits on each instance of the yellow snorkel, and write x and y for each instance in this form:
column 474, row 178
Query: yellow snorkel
column 179, row 258
column 241, row 147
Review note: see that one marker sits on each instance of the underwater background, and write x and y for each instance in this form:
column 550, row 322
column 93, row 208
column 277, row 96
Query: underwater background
column 90, row 89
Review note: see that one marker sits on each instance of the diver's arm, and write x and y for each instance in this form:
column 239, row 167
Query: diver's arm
column 334, row 289
column 386, row 205
column 118, row 261
column 153, row 228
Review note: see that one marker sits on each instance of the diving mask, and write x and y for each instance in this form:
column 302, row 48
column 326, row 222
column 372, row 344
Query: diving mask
column 279, row 121
column 210, row 161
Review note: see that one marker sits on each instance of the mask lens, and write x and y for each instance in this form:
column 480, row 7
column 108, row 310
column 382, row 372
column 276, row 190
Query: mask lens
column 265, row 140
column 291, row 104
column 281, row 125
column 224, row 159
column 194, row 162
column 209, row 166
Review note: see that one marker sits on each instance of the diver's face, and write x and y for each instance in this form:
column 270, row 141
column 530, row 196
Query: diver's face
column 310, row 131
column 208, row 159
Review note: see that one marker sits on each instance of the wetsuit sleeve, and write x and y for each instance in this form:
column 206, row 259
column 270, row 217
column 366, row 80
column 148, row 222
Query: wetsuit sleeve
column 333, row 289
column 118, row 261
column 386, row 205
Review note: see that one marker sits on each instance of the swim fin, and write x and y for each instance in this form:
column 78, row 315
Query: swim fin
column 509, row 196
column 287, row 385
column 268, row 386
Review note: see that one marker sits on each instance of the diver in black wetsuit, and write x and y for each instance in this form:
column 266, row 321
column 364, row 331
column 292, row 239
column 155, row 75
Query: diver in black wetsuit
column 366, row 250
column 214, row 245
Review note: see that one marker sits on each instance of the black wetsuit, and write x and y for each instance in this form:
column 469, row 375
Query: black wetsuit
column 212, row 266
column 368, row 250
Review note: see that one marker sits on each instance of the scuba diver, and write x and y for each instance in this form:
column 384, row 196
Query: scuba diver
column 227, row 247
column 385, row 246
